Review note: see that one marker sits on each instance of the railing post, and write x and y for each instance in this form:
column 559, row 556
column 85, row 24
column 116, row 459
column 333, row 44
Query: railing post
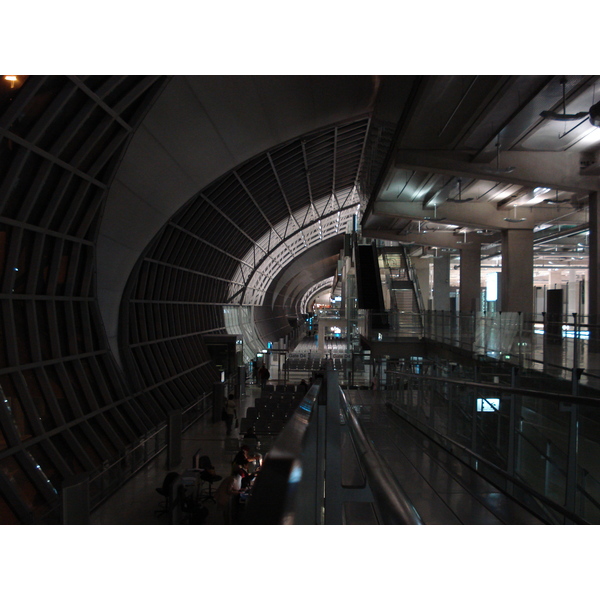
column 333, row 481
column 76, row 500
column 545, row 343
column 520, row 339
column 498, row 349
column 474, row 395
column 513, row 428
column 571, row 491
column 485, row 333
column 575, row 345
column 512, row 442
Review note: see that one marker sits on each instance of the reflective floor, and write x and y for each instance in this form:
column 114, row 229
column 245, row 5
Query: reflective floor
column 442, row 489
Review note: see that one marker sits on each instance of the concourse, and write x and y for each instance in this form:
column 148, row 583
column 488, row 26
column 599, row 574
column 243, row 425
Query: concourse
column 413, row 258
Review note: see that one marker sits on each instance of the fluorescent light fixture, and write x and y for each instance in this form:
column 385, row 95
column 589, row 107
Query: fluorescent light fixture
column 540, row 190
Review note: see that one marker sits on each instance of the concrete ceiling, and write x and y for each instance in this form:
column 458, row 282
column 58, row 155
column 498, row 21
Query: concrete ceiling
column 473, row 157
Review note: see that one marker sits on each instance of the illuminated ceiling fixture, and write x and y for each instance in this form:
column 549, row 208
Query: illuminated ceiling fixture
column 464, row 240
column 460, row 198
column 514, row 219
column 593, row 113
column 12, row 78
column 557, row 201
column 497, row 170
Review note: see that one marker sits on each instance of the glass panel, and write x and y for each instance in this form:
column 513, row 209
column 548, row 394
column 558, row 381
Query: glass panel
column 16, row 409
column 37, row 396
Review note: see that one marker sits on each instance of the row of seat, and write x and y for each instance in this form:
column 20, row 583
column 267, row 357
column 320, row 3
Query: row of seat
column 313, row 364
column 279, row 400
column 263, row 426
column 287, row 388
column 270, row 413
column 274, row 412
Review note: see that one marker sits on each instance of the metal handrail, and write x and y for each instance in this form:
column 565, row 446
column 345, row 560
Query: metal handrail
column 575, row 323
column 555, row 396
column 391, row 499
column 275, row 490
column 557, row 507
column 287, row 479
column 567, row 401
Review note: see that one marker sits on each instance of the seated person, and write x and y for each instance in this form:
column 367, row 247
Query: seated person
column 245, row 477
column 250, row 433
column 242, row 458
column 302, row 387
column 254, row 467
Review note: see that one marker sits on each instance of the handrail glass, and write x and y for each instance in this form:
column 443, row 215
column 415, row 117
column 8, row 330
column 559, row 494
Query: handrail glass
column 290, row 486
column 555, row 345
column 393, row 504
column 538, row 446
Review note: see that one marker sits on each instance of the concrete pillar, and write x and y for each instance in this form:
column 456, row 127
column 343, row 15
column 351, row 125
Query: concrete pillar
column 441, row 282
column 421, row 266
column 594, row 279
column 516, row 278
column 470, row 277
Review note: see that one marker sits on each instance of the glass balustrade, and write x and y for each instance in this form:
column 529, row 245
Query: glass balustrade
column 540, row 447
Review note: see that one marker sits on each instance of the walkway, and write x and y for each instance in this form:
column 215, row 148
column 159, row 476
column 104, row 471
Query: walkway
column 443, row 490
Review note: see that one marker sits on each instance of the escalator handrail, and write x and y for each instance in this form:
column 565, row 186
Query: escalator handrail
column 392, row 501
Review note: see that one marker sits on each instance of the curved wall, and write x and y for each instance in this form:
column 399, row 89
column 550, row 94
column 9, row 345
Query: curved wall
column 65, row 407
column 182, row 281
column 200, row 128
column 92, row 168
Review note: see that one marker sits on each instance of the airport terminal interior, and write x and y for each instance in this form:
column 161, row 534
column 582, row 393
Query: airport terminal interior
column 295, row 299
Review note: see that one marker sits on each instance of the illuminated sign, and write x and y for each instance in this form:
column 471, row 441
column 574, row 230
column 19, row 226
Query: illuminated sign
column 488, row 404
column 491, row 294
